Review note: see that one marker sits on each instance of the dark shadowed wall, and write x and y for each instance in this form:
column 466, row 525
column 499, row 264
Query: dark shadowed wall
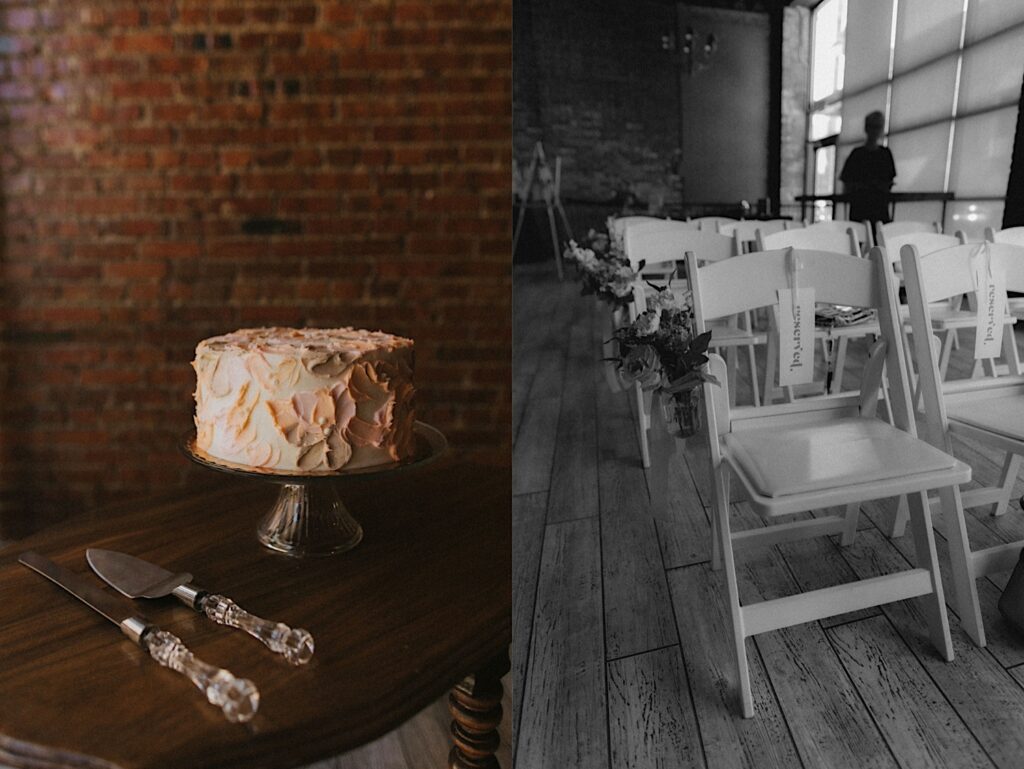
column 593, row 82
column 603, row 84
column 174, row 170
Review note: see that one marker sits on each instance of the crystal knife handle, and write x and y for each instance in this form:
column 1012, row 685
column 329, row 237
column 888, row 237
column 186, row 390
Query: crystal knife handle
column 295, row 645
column 237, row 697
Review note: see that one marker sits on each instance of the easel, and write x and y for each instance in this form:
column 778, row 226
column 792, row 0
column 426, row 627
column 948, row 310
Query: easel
column 540, row 173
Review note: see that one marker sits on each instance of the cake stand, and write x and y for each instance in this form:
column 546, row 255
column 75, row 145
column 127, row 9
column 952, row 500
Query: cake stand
column 309, row 518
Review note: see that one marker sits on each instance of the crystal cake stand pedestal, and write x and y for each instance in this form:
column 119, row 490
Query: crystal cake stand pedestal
column 309, row 518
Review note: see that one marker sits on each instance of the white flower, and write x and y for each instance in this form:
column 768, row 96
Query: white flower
column 663, row 298
column 622, row 282
column 648, row 323
column 586, row 259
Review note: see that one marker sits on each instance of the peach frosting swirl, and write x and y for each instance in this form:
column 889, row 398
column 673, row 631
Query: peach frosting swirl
column 305, row 399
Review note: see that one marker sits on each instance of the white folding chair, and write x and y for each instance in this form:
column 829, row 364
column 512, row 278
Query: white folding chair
column 989, row 410
column 712, row 223
column 885, row 231
column 620, row 223
column 947, row 316
column 862, row 230
column 617, row 226
column 1014, row 235
column 834, row 340
column 818, row 452
column 744, row 232
column 662, row 250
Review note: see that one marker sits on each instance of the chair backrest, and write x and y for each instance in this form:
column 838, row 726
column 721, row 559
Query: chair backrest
column 655, row 225
column 813, row 237
column 663, row 251
column 744, row 232
column 930, row 278
column 655, row 244
column 924, row 242
column 751, row 281
column 862, row 230
column 712, row 223
column 1013, row 235
column 620, row 224
column 884, row 232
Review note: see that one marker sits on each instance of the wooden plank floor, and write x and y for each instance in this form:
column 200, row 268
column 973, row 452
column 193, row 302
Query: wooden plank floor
column 621, row 654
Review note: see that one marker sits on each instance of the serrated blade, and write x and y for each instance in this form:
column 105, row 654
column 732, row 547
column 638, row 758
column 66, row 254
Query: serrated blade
column 133, row 576
column 114, row 608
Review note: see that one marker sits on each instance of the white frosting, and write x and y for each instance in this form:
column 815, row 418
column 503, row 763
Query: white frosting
column 305, row 400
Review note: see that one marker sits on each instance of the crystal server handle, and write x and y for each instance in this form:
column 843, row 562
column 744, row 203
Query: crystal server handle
column 237, row 697
column 296, row 645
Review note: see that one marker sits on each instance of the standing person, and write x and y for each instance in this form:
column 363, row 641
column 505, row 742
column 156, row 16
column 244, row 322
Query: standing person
column 868, row 174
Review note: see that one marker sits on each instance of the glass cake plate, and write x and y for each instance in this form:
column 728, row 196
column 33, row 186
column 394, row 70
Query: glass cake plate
column 309, row 518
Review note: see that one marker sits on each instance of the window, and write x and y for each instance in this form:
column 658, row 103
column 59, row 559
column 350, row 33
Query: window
column 824, row 114
column 828, row 59
column 947, row 75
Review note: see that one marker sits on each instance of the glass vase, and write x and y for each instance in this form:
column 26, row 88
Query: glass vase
column 682, row 413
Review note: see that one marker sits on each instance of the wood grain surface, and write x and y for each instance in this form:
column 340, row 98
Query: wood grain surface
column 862, row 689
column 909, row 709
column 574, row 484
column 637, row 608
column 650, row 714
column 563, row 722
column 423, row 601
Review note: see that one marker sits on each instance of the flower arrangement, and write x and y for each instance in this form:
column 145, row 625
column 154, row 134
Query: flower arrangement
column 603, row 269
column 660, row 352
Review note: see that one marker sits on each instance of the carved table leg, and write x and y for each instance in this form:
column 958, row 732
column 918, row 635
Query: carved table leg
column 475, row 705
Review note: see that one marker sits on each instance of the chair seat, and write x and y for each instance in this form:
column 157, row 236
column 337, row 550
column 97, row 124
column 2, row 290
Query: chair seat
column 866, row 328
column 787, row 461
column 1003, row 415
column 945, row 318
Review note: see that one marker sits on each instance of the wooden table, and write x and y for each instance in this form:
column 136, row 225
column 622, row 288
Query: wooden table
column 423, row 602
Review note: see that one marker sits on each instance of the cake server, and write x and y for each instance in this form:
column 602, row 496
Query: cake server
column 237, row 697
column 137, row 578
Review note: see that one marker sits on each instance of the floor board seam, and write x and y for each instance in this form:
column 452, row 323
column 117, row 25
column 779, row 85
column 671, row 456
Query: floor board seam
column 679, row 643
column 860, row 695
column 529, row 640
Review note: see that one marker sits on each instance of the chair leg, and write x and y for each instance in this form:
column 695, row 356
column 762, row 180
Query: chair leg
column 961, row 564
column 716, row 544
column 839, row 364
column 732, row 585
column 885, row 398
column 752, row 362
column 771, row 366
column 641, row 426
column 1010, row 353
column 947, row 350
column 850, row 524
column 1011, row 468
column 927, row 558
column 899, row 520
column 732, row 366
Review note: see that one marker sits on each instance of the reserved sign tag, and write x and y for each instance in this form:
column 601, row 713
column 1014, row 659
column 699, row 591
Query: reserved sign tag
column 991, row 298
column 796, row 336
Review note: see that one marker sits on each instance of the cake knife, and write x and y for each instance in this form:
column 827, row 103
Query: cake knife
column 137, row 578
column 238, row 698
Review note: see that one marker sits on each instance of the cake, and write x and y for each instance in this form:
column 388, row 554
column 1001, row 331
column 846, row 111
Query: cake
column 305, row 400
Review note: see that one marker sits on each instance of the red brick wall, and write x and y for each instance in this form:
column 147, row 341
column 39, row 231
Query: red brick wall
column 174, row 170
